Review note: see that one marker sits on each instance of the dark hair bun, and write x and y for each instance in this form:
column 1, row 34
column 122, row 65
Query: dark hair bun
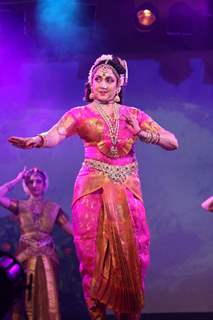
column 115, row 63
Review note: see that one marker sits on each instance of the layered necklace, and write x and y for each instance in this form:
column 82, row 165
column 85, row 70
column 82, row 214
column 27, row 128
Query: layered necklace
column 112, row 124
column 37, row 206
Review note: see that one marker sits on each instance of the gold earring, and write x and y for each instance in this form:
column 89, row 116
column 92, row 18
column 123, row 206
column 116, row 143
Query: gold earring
column 117, row 98
column 91, row 96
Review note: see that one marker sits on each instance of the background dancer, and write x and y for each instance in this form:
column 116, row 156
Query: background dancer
column 36, row 249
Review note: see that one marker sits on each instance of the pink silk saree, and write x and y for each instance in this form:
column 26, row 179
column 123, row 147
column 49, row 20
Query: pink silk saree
column 109, row 222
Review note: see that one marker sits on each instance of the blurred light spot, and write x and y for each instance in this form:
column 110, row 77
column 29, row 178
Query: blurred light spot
column 146, row 17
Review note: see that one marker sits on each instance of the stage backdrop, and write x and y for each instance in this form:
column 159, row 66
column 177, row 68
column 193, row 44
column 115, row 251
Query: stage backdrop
column 176, row 89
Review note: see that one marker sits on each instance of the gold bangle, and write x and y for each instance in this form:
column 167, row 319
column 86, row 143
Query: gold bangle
column 155, row 138
column 41, row 143
column 137, row 133
column 158, row 138
column 149, row 137
column 9, row 186
column 145, row 139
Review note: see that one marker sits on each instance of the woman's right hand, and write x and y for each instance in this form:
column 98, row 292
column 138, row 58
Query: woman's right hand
column 11, row 184
column 21, row 174
column 132, row 123
column 25, row 143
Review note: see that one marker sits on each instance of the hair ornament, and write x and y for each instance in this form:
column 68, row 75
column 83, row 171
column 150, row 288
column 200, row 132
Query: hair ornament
column 106, row 58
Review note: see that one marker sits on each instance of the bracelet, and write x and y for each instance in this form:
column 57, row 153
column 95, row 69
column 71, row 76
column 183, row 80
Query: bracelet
column 158, row 138
column 137, row 133
column 151, row 137
column 41, row 143
column 148, row 138
column 9, row 185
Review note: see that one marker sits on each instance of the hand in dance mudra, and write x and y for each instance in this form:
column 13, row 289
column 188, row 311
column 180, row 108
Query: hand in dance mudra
column 132, row 124
column 8, row 186
column 25, row 143
column 208, row 204
column 21, row 174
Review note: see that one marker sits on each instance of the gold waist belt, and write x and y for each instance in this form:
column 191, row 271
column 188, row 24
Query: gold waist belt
column 114, row 172
column 45, row 240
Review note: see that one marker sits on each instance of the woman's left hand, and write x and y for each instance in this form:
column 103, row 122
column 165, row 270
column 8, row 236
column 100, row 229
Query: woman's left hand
column 132, row 124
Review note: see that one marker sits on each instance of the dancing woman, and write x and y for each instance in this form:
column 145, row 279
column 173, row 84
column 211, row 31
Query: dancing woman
column 108, row 216
column 36, row 249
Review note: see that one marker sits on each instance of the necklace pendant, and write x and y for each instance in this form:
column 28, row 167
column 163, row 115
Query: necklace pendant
column 113, row 126
column 114, row 151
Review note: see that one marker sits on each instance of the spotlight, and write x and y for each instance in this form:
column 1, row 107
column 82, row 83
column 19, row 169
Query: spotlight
column 146, row 17
column 12, row 282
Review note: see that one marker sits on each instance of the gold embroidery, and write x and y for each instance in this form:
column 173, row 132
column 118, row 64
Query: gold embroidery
column 65, row 124
column 91, row 130
column 124, row 147
column 150, row 125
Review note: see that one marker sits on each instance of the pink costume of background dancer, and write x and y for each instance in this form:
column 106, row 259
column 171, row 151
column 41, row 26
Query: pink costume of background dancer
column 109, row 223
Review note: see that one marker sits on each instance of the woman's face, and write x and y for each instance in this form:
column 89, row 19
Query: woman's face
column 36, row 185
column 104, row 84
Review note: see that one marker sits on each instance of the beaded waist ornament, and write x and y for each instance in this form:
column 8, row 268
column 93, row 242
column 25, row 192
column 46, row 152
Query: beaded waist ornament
column 116, row 173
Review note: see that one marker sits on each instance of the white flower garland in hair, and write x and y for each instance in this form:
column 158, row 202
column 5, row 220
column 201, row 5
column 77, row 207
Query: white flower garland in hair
column 103, row 57
column 125, row 77
column 107, row 57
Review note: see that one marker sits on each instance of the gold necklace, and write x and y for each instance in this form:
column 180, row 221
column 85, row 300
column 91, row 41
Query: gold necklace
column 36, row 206
column 113, row 126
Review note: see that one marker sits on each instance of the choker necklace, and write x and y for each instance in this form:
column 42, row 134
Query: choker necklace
column 113, row 126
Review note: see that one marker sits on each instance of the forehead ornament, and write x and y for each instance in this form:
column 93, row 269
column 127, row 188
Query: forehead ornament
column 105, row 67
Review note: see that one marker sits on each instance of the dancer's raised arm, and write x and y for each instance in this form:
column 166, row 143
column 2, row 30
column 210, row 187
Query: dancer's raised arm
column 5, row 201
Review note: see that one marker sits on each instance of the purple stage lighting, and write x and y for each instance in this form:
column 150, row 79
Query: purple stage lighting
column 10, row 266
column 12, row 282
